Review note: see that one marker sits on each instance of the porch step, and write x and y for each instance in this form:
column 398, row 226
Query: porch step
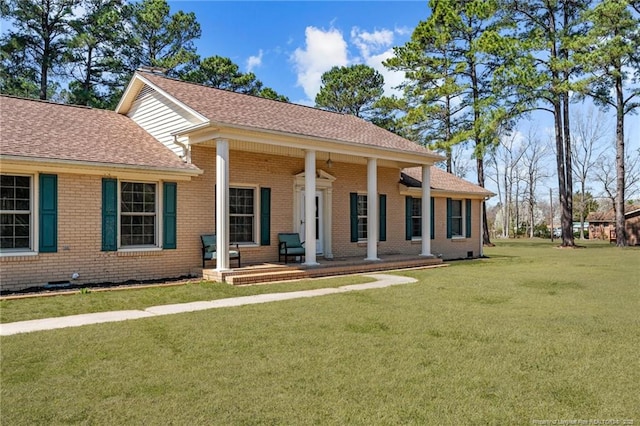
column 264, row 277
column 288, row 273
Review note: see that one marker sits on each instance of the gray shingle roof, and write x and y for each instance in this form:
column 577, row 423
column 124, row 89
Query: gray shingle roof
column 442, row 181
column 44, row 130
column 225, row 107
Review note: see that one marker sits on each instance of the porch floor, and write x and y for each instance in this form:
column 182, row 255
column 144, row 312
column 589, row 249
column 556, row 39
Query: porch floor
column 273, row 272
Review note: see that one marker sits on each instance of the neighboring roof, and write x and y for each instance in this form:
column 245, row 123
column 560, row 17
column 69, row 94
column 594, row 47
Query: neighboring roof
column 610, row 216
column 442, row 181
column 223, row 107
column 41, row 130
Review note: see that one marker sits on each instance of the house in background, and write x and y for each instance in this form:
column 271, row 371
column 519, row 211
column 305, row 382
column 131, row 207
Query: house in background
column 126, row 195
column 602, row 225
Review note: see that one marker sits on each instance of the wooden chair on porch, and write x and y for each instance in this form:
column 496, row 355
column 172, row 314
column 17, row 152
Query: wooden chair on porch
column 209, row 251
column 289, row 245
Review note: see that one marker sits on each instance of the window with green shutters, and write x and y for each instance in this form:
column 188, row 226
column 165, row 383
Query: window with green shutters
column 132, row 209
column 458, row 218
column 17, row 210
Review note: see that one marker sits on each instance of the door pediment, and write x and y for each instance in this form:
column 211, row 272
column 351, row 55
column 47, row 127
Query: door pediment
column 323, row 179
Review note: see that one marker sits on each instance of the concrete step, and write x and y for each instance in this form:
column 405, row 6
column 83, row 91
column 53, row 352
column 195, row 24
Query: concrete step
column 297, row 273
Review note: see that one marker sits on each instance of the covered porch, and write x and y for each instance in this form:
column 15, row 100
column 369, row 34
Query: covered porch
column 273, row 272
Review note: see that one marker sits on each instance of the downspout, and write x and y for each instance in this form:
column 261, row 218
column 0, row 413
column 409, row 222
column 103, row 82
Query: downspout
column 186, row 151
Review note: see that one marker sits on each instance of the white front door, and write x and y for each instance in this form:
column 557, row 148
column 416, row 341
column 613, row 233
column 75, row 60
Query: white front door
column 319, row 222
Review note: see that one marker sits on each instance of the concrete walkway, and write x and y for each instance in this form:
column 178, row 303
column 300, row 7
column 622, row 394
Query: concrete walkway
column 382, row 280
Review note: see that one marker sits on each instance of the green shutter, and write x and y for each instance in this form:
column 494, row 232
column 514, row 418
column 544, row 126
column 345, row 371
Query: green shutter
column 468, row 218
column 353, row 198
column 265, row 216
column 169, row 215
column 109, row 214
column 382, row 200
column 449, row 212
column 48, row 240
column 433, row 220
column 408, row 223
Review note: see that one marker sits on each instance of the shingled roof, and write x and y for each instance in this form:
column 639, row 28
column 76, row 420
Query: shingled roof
column 442, row 181
column 223, row 107
column 610, row 215
column 34, row 129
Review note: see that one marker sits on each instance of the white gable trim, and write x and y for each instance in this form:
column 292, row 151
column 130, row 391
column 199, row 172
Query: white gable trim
column 137, row 83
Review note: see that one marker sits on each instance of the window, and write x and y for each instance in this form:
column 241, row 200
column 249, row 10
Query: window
column 138, row 218
column 15, row 212
column 358, row 211
column 416, row 218
column 242, row 218
column 456, row 218
column 362, row 217
column 132, row 217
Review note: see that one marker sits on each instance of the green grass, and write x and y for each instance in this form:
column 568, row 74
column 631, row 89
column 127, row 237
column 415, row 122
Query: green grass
column 533, row 333
column 12, row 310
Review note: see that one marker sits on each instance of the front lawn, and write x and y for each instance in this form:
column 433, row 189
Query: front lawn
column 532, row 334
column 74, row 303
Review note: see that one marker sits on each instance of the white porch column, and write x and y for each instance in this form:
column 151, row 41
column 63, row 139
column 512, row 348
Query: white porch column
column 426, row 211
column 222, row 203
column 310, row 208
column 328, row 224
column 372, row 209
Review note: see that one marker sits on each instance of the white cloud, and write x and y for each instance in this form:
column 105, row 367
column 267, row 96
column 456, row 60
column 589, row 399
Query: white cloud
column 392, row 79
column 375, row 48
column 368, row 42
column 323, row 50
column 326, row 49
column 254, row 61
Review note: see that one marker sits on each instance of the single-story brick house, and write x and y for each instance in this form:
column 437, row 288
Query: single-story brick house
column 115, row 196
column 602, row 225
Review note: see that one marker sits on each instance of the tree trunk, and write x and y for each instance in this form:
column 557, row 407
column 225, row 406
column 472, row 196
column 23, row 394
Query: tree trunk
column 567, row 225
column 621, row 232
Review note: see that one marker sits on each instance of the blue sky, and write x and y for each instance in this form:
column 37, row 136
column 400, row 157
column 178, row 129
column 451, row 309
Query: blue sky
column 289, row 44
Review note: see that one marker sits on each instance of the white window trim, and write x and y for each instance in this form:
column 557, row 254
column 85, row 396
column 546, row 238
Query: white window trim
column 366, row 216
column 257, row 208
column 34, row 222
column 463, row 227
column 159, row 224
column 420, row 237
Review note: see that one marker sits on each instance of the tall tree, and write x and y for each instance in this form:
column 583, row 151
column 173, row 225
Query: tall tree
column 449, row 63
column 94, row 60
column 610, row 51
column 39, row 33
column 16, row 76
column 544, row 71
column 223, row 73
column 433, row 111
column 350, row 90
column 159, row 38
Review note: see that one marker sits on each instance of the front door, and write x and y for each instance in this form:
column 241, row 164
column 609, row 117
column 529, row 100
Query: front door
column 319, row 222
